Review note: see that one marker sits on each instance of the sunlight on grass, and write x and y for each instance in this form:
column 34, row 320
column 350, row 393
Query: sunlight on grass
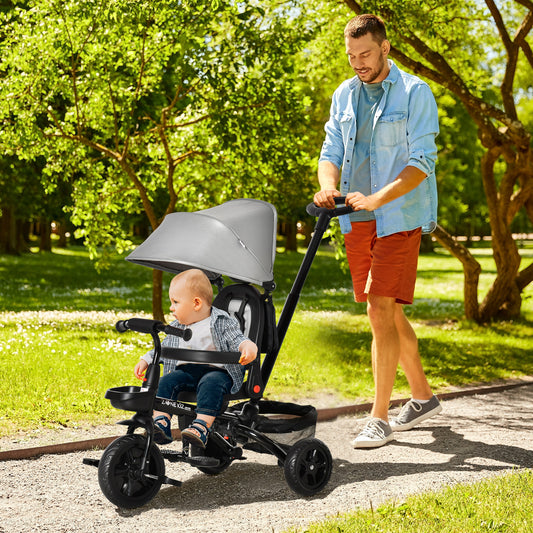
column 62, row 365
column 61, row 351
column 500, row 504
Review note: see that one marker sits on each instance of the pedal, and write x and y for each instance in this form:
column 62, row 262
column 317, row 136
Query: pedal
column 174, row 456
column 200, row 460
column 91, row 462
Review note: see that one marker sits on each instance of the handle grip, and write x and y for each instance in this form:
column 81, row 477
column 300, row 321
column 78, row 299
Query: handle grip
column 145, row 325
column 315, row 211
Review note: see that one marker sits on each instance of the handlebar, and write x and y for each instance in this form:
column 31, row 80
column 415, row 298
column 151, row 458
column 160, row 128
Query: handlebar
column 144, row 325
column 315, row 211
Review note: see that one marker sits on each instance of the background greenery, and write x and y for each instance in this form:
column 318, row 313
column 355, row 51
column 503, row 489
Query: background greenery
column 61, row 351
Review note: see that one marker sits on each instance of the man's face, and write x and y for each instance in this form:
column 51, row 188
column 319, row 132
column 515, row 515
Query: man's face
column 367, row 58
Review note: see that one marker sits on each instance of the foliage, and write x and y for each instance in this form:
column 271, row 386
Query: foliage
column 147, row 106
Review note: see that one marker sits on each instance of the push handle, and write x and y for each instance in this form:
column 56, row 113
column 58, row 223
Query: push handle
column 315, row 211
column 145, row 325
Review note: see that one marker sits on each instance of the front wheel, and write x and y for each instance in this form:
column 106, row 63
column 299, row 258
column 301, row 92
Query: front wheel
column 308, row 466
column 120, row 476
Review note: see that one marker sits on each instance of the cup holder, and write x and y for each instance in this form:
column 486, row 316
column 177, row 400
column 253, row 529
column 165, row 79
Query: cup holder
column 131, row 398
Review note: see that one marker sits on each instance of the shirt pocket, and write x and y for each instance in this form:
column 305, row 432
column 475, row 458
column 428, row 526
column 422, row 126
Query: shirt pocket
column 346, row 122
column 391, row 129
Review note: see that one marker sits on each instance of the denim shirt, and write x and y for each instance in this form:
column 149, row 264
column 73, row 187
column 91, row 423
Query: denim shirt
column 404, row 130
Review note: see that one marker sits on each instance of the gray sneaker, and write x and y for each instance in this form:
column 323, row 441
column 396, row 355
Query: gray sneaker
column 375, row 434
column 412, row 413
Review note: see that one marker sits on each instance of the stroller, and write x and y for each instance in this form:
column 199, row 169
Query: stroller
column 237, row 240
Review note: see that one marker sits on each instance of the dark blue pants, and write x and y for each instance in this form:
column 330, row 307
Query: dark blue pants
column 209, row 383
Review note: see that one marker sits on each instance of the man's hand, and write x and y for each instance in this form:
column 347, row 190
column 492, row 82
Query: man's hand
column 326, row 198
column 360, row 202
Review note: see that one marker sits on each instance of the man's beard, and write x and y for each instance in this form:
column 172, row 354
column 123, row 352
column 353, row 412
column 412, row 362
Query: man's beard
column 373, row 74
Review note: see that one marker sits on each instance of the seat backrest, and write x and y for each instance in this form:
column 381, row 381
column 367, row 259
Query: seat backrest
column 244, row 302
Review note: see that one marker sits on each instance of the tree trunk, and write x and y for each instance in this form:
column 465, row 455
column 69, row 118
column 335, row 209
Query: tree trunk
column 290, row 229
column 471, row 268
column 508, row 144
column 62, row 234
column 45, row 235
column 157, row 295
column 8, row 234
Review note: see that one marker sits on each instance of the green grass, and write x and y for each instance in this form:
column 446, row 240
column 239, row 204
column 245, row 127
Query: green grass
column 502, row 504
column 61, row 351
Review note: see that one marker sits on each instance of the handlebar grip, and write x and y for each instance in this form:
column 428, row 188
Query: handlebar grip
column 121, row 326
column 185, row 334
column 315, row 211
column 145, row 325
column 141, row 325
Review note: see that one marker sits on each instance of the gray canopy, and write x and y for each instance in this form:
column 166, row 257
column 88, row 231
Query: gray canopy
column 236, row 239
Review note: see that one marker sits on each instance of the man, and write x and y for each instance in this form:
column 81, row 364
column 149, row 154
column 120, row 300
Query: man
column 381, row 133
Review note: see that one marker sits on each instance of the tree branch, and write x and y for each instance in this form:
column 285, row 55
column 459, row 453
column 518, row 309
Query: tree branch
column 506, row 88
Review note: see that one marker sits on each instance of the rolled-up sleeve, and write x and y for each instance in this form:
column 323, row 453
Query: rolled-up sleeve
column 422, row 128
column 333, row 146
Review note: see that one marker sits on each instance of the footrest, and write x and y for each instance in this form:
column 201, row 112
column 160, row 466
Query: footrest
column 174, row 456
column 91, row 462
column 199, row 460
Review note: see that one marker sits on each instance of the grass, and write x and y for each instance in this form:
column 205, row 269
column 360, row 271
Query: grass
column 502, row 504
column 61, row 351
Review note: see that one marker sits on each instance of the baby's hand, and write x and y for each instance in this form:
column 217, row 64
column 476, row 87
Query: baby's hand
column 140, row 369
column 249, row 352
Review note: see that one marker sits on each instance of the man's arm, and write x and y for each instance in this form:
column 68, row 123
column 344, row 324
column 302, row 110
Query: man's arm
column 328, row 178
column 408, row 179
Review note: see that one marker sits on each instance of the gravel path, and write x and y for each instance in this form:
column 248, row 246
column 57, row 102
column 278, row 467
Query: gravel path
column 473, row 438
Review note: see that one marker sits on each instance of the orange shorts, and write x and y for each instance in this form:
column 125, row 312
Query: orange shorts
column 384, row 266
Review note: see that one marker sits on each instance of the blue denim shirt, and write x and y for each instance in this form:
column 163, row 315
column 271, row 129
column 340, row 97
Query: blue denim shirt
column 404, row 131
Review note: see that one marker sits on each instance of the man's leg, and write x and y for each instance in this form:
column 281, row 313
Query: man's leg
column 386, row 348
column 423, row 404
column 385, row 357
column 410, row 357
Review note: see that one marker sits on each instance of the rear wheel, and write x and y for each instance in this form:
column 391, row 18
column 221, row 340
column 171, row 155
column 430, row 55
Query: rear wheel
column 120, row 476
column 308, row 466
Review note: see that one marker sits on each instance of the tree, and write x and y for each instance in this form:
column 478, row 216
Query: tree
column 476, row 52
column 152, row 106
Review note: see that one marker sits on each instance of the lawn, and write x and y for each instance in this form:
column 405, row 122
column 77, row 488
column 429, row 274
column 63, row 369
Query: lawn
column 61, row 351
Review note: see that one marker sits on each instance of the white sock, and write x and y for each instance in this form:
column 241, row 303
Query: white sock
column 421, row 401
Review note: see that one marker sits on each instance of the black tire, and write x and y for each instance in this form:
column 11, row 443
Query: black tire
column 308, row 466
column 119, row 472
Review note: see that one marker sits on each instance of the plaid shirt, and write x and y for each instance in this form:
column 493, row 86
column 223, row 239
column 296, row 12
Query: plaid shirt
column 227, row 337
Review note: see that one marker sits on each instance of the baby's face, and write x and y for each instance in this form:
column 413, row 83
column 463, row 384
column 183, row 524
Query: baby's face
column 182, row 303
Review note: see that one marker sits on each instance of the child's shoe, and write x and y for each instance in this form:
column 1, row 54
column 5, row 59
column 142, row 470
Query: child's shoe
column 197, row 433
column 162, row 431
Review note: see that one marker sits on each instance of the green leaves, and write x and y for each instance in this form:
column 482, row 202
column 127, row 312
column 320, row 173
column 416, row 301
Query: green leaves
column 121, row 97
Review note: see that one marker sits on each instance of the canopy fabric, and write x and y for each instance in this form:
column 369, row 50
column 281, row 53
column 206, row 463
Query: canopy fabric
column 236, row 239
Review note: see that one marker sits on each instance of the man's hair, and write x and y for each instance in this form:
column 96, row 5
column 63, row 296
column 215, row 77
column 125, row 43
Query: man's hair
column 363, row 24
column 198, row 283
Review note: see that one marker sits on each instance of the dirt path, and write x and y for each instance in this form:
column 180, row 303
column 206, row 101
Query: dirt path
column 475, row 437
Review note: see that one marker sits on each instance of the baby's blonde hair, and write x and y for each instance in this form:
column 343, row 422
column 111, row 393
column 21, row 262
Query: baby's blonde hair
column 198, row 283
